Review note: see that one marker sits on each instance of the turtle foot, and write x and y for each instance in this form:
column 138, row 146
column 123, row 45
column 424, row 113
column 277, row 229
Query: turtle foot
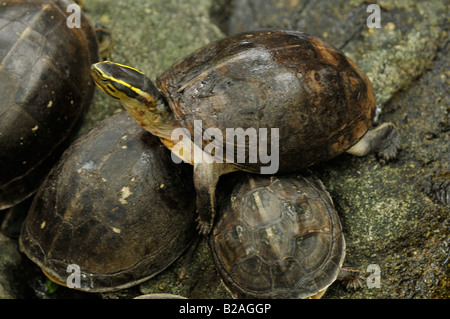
column 383, row 140
column 353, row 279
column 204, row 228
column 391, row 146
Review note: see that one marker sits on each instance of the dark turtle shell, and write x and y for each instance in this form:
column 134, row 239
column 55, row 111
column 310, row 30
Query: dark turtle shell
column 319, row 99
column 45, row 86
column 277, row 237
column 115, row 205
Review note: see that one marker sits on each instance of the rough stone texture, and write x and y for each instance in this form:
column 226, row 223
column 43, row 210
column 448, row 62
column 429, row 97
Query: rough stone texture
column 11, row 269
column 396, row 214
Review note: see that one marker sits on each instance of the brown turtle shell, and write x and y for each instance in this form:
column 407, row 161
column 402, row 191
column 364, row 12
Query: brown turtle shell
column 45, row 86
column 115, row 205
column 276, row 237
column 319, row 99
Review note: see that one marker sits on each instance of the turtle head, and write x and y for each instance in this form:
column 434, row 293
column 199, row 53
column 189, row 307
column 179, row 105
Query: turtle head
column 125, row 84
column 135, row 91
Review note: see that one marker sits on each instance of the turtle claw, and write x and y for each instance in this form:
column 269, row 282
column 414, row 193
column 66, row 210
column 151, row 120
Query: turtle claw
column 391, row 146
column 383, row 140
column 202, row 227
column 353, row 279
column 355, row 282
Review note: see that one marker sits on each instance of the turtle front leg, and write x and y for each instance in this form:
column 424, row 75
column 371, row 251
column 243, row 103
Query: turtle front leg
column 206, row 177
column 383, row 140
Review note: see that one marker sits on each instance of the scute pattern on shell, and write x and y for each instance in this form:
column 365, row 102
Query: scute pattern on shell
column 277, row 237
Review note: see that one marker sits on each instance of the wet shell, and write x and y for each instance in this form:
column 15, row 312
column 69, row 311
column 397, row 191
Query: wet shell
column 45, row 87
column 319, row 99
column 115, row 205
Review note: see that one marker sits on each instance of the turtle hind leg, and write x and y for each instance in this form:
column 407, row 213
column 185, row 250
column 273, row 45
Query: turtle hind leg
column 382, row 140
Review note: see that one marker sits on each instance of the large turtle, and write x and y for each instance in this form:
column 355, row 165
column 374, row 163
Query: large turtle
column 45, row 88
column 115, row 206
column 315, row 102
column 278, row 237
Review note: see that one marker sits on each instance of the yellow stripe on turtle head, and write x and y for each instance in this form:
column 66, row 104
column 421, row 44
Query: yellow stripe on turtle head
column 123, row 82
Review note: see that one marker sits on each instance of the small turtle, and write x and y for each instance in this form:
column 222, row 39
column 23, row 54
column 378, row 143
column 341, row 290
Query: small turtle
column 45, row 88
column 115, row 206
column 320, row 102
column 277, row 237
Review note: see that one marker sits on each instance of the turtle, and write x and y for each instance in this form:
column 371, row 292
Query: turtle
column 115, row 207
column 315, row 102
column 278, row 236
column 45, row 89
